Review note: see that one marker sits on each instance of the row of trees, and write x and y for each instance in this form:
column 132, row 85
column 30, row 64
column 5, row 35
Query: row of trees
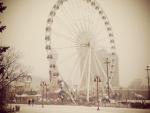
column 2, row 8
column 10, row 69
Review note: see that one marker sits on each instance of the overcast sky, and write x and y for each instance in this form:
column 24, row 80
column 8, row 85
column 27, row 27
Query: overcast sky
column 130, row 19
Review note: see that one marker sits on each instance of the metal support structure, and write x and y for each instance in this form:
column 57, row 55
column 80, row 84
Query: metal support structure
column 89, row 75
column 108, row 85
column 43, row 86
column 83, row 70
column 97, row 80
column 46, row 91
column 148, row 81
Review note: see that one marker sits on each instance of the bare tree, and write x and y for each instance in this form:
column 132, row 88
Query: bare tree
column 10, row 71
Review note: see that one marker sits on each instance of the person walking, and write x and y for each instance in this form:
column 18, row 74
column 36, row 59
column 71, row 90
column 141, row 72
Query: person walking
column 32, row 102
column 29, row 102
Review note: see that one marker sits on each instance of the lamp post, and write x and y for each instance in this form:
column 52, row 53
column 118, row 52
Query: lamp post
column 108, row 85
column 97, row 80
column 76, row 92
column 147, row 69
column 46, row 90
column 43, row 84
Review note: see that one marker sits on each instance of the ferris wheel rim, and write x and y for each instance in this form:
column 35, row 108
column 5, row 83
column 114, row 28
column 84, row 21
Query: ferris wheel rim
column 51, row 19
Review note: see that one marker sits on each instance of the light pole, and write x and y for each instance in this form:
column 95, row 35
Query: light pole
column 97, row 80
column 46, row 90
column 108, row 85
column 147, row 69
column 43, row 84
column 76, row 92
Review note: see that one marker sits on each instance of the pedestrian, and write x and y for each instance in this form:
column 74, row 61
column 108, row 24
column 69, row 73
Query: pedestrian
column 29, row 102
column 32, row 102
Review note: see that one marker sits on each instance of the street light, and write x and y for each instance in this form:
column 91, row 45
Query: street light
column 108, row 85
column 147, row 69
column 46, row 90
column 97, row 80
column 76, row 91
column 43, row 84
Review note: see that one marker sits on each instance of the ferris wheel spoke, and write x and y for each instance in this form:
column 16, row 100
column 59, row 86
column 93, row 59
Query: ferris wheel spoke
column 70, row 18
column 88, row 18
column 100, row 47
column 78, row 27
column 100, row 65
column 101, row 40
column 99, row 31
column 81, row 23
column 97, row 15
column 93, row 22
column 77, row 24
column 83, row 69
column 75, row 65
column 99, row 28
column 97, row 68
column 68, row 47
column 100, row 75
column 105, row 45
column 97, row 72
column 69, row 57
column 66, row 37
column 91, row 17
column 78, row 20
column 68, row 27
column 84, row 21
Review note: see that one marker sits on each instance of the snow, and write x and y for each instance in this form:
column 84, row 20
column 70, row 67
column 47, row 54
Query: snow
column 77, row 109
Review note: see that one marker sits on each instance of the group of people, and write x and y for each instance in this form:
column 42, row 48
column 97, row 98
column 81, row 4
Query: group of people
column 31, row 102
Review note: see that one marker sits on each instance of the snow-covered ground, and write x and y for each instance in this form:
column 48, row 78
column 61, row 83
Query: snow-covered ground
column 77, row 109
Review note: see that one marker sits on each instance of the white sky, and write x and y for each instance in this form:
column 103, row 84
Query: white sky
column 130, row 19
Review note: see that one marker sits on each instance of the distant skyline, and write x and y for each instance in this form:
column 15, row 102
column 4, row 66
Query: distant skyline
column 130, row 19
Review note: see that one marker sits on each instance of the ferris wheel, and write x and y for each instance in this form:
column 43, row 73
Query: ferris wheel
column 79, row 38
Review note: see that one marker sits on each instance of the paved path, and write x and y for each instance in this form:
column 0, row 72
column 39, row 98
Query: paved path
column 77, row 109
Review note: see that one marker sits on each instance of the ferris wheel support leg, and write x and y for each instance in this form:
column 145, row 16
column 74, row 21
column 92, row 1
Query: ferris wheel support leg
column 100, row 65
column 89, row 76
column 83, row 71
column 103, row 71
column 99, row 73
